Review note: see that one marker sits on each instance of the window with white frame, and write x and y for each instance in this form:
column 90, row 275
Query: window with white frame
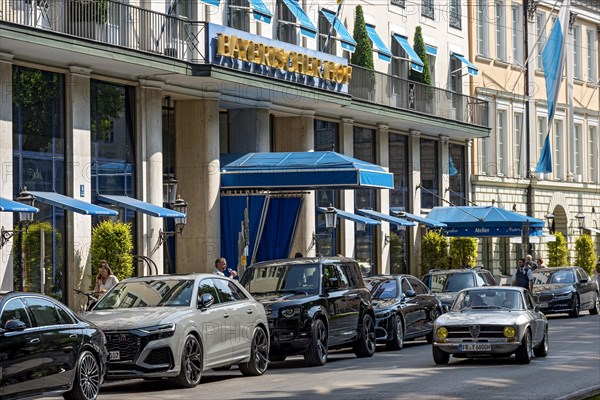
column 500, row 21
column 237, row 15
column 286, row 24
column 482, row 156
column 517, row 34
column 593, row 151
column 577, row 152
column 428, row 8
column 482, row 27
column 518, row 138
column 577, row 51
column 455, row 14
column 591, row 55
column 542, row 130
column 501, row 141
column 431, row 64
column 557, row 147
column 540, row 34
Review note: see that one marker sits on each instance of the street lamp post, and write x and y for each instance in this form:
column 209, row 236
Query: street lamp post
column 180, row 206
column 25, row 217
column 550, row 219
column 580, row 222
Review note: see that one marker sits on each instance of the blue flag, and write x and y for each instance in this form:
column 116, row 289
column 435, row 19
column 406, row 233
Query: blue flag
column 553, row 60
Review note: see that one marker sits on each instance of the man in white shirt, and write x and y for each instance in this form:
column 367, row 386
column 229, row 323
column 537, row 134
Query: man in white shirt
column 221, row 267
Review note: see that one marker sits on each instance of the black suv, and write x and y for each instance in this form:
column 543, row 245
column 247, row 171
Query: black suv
column 446, row 283
column 314, row 304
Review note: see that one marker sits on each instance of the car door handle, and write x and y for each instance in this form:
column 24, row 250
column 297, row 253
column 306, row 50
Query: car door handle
column 249, row 311
column 73, row 335
column 36, row 340
column 225, row 315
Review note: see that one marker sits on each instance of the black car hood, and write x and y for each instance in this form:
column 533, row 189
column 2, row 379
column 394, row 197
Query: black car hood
column 275, row 297
column 384, row 303
column 555, row 287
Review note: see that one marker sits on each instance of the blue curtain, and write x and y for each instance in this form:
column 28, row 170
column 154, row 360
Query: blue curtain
column 232, row 216
column 279, row 229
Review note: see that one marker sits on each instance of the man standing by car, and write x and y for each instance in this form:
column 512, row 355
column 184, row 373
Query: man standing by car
column 523, row 276
column 529, row 263
column 222, row 270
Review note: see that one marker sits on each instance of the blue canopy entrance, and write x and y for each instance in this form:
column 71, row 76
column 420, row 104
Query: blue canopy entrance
column 484, row 222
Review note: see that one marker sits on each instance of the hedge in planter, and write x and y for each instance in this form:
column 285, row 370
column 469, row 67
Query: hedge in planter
column 463, row 247
column 557, row 251
column 434, row 251
column 113, row 242
column 585, row 256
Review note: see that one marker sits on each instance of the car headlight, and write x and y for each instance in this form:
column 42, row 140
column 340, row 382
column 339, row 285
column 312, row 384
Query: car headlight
column 509, row 331
column 159, row 331
column 442, row 332
column 566, row 295
column 289, row 312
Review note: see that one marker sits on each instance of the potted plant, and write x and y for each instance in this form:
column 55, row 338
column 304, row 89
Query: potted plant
column 363, row 55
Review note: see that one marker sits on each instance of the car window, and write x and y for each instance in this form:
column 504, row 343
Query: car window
column 479, row 281
column 237, row 293
column 529, row 301
column 328, row 274
column 459, row 281
column 487, row 278
column 225, row 293
column 15, row 310
column 351, row 275
column 343, row 282
column 563, row 276
column 436, row 282
column 405, row 285
column 64, row 316
column 43, row 311
column 581, row 275
column 208, row 286
column 387, row 289
column 417, row 286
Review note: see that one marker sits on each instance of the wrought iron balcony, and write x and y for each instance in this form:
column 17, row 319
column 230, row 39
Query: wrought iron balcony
column 376, row 87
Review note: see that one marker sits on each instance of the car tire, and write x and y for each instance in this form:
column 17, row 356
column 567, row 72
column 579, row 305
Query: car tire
column 86, row 384
column 259, row 355
column 397, row 341
column 191, row 364
column 316, row 355
column 367, row 343
column 524, row 352
column 542, row 349
column 596, row 309
column 440, row 357
column 576, row 308
column 434, row 316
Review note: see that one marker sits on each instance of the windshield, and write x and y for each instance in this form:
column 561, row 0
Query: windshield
column 387, row 289
column 283, row 278
column 154, row 293
column 559, row 276
column 488, row 299
column 451, row 282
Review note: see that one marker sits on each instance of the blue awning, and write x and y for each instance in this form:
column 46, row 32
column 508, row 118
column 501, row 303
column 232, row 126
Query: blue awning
column 430, row 223
column 260, row 11
column 352, row 217
column 385, row 217
column 431, row 50
column 140, row 206
column 415, row 62
column 307, row 28
column 471, row 68
column 348, row 42
column 301, row 170
column 215, row 3
column 484, row 221
column 384, row 53
column 71, row 204
column 7, row 205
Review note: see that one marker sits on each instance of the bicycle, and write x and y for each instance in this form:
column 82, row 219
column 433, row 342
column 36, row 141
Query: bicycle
column 89, row 302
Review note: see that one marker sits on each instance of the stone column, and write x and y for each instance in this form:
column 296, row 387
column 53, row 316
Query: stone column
column 383, row 200
column 197, row 170
column 445, row 175
column 347, row 196
column 249, row 130
column 298, row 134
column 414, row 179
column 150, row 187
column 78, row 182
column 6, row 166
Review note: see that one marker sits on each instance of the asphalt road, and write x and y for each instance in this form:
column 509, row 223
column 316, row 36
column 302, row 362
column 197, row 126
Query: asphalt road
column 571, row 370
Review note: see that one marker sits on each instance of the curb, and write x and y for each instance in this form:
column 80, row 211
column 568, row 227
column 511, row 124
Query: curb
column 582, row 394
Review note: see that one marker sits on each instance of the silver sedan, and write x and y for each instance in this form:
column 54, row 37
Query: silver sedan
column 177, row 326
column 490, row 322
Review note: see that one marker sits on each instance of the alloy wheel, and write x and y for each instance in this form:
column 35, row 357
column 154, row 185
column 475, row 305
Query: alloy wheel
column 89, row 376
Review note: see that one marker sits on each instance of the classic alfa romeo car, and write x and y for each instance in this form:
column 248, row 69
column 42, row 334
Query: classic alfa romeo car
column 491, row 321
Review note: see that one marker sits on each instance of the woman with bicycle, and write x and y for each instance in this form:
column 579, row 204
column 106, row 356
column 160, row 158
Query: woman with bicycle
column 105, row 279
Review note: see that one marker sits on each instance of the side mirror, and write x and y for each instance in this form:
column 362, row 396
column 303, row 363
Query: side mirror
column 205, row 300
column 410, row 293
column 536, row 298
column 14, row 325
column 583, row 280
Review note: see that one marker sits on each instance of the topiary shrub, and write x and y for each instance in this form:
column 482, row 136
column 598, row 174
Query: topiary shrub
column 363, row 55
column 434, row 251
column 585, row 257
column 419, row 47
column 113, row 242
column 557, row 251
column 463, row 247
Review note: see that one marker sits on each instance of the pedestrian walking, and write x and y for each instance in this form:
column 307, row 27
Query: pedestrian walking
column 540, row 263
column 523, row 276
column 530, row 263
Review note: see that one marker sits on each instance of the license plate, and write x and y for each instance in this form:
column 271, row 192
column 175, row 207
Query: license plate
column 543, row 305
column 115, row 355
column 474, row 347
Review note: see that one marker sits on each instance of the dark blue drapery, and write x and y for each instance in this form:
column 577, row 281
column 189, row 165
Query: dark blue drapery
column 279, row 228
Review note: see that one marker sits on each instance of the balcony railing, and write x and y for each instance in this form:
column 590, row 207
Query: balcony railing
column 388, row 90
column 113, row 23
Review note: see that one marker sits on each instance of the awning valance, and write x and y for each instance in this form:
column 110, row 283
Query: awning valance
column 382, row 50
column 140, row 206
column 415, row 62
column 471, row 68
column 302, row 171
column 7, row 205
column 417, row 218
column 71, row 204
column 348, row 42
column 385, row 217
column 307, row 28
column 484, row 221
column 352, row 217
column 431, row 50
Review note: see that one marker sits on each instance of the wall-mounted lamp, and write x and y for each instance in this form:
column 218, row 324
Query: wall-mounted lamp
column 25, row 217
column 169, row 188
column 386, row 240
column 178, row 205
column 330, row 218
column 550, row 219
column 580, row 222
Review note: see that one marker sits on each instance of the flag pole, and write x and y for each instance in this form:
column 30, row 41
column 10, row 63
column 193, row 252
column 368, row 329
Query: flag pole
column 337, row 15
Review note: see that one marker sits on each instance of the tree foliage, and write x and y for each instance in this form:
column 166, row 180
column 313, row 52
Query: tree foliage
column 113, row 242
column 463, row 247
column 585, row 257
column 419, row 47
column 434, row 251
column 108, row 106
column 557, row 251
column 363, row 55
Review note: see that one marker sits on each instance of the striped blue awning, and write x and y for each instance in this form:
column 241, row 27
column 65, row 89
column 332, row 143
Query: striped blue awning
column 348, row 42
column 7, row 205
column 140, row 206
column 384, row 53
column 471, row 68
column 307, row 28
column 351, row 217
column 416, row 63
column 385, row 217
column 71, row 204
